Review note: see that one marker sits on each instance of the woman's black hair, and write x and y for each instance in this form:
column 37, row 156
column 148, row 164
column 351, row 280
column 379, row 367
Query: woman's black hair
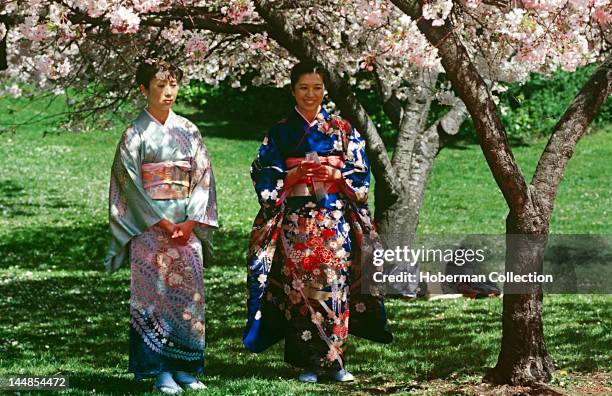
column 307, row 67
column 148, row 68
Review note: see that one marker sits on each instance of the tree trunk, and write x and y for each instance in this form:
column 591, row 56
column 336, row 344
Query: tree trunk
column 397, row 219
column 399, row 216
column 3, row 47
column 523, row 358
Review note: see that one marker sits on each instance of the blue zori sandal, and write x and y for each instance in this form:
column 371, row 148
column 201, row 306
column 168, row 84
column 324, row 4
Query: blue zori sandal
column 166, row 384
column 187, row 381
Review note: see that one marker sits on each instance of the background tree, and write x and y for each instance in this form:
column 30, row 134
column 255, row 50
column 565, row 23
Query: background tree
column 523, row 358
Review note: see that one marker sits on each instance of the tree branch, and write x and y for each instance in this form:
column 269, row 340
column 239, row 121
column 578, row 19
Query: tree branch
column 8, row 22
column 471, row 88
column 191, row 19
column 568, row 131
column 340, row 90
column 413, row 121
column 391, row 104
column 450, row 123
column 3, row 54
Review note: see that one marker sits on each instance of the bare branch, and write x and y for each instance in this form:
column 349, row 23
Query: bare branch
column 568, row 131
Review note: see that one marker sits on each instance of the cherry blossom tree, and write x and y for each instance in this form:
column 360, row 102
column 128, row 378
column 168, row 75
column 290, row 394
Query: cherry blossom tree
column 537, row 36
column 411, row 53
column 94, row 45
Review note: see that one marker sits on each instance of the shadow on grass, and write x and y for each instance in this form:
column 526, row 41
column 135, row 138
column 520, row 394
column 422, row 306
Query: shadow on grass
column 61, row 248
column 10, row 189
column 109, row 384
column 84, row 248
column 76, row 323
column 13, row 201
column 447, row 342
column 235, row 130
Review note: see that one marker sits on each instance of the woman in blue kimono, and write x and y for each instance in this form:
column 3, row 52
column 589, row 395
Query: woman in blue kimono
column 311, row 237
column 161, row 206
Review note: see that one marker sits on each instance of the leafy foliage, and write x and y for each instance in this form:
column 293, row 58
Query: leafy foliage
column 534, row 108
column 529, row 110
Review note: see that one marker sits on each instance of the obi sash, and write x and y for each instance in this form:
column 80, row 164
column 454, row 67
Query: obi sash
column 166, row 180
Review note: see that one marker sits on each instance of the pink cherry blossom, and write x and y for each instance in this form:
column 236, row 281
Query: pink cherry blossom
column 32, row 30
column 94, row 8
column 196, row 46
column 14, row 91
column 437, row 11
column 54, row 43
column 237, row 11
column 603, row 14
column 64, row 68
column 174, row 32
column 124, row 20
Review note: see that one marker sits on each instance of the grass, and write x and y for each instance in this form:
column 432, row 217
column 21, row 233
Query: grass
column 62, row 315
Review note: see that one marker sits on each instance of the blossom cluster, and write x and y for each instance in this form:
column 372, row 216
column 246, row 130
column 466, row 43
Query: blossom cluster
column 70, row 42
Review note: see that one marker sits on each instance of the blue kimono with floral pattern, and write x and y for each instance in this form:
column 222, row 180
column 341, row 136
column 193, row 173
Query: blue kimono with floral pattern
column 306, row 255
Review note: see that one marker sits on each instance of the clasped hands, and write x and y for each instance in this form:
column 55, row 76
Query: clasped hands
column 180, row 233
column 317, row 172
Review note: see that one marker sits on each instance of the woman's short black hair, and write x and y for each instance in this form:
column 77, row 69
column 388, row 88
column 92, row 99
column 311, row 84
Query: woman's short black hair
column 148, row 69
column 307, row 67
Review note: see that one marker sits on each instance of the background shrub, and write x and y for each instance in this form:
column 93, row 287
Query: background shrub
column 528, row 111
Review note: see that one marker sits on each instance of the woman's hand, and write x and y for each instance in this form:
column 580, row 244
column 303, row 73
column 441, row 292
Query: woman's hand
column 307, row 168
column 167, row 226
column 317, row 172
column 326, row 173
column 183, row 231
column 304, row 169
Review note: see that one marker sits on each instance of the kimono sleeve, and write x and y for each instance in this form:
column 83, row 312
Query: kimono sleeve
column 202, row 204
column 356, row 170
column 131, row 210
column 268, row 172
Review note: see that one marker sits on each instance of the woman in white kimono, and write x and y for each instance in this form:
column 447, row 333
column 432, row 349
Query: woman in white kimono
column 162, row 206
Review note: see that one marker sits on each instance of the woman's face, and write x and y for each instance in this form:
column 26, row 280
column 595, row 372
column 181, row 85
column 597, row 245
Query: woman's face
column 309, row 92
column 161, row 94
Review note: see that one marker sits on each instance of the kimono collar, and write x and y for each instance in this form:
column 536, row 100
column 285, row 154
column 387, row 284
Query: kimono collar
column 322, row 115
column 171, row 115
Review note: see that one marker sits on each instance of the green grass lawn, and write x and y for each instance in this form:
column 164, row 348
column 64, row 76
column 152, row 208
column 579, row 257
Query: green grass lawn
column 61, row 314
